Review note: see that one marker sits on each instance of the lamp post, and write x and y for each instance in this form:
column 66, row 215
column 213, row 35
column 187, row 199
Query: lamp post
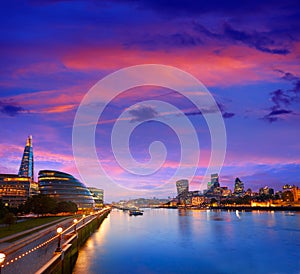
column 83, row 216
column 75, row 223
column 2, row 259
column 59, row 231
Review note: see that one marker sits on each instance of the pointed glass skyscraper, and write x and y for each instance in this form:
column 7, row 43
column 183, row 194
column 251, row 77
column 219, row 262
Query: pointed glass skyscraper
column 26, row 168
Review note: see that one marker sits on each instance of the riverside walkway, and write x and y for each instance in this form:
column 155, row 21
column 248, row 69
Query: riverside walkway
column 31, row 253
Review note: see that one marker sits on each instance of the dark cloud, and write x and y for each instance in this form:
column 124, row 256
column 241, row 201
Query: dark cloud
column 259, row 41
column 220, row 108
column 193, row 113
column 10, row 108
column 142, row 113
column 228, row 115
column 177, row 40
column 275, row 114
column 194, row 8
column 279, row 97
column 283, row 97
column 287, row 75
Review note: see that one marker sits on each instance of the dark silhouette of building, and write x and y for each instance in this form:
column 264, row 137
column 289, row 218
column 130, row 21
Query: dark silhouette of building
column 64, row 187
column 26, row 167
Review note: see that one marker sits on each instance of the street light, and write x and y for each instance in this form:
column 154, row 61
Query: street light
column 2, row 259
column 59, row 231
column 75, row 222
column 83, row 216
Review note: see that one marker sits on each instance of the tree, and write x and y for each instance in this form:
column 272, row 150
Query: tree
column 41, row 204
column 9, row 219
column 3, row 210
column 66, row 207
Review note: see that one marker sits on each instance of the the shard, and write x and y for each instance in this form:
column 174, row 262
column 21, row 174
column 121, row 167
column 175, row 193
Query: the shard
column 26, row 168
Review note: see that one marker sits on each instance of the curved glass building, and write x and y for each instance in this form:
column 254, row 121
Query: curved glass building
column 65, row 187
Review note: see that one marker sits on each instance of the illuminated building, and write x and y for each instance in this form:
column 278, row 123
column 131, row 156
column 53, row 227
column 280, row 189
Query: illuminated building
column 226, row 192
column 26, row 167
column 266, row 191
column 198, row 200
column 65, row 187
column 213, row 187
column 238, row 187
column 296, row 193
column 215, row 180
column 182, row 187
column 14, row 189
column 97, row 196
column 183, row 191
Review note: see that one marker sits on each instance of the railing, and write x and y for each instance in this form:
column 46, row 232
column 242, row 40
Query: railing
column 70, row 230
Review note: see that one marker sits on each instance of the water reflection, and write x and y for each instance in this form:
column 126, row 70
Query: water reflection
column 185, row 230
column 194, row 241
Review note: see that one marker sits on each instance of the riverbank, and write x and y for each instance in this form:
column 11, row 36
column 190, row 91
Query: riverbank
column 245, row 208
column 255, row 208
column 64, row 260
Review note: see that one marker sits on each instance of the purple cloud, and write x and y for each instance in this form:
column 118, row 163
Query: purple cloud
column 11, row 108
column 260, row 41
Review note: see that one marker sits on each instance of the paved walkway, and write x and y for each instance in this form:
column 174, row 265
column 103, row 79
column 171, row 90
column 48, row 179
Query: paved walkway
column 24, row 256
column 29, row 254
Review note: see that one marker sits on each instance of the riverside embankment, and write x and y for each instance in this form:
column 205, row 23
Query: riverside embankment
column 43, row 255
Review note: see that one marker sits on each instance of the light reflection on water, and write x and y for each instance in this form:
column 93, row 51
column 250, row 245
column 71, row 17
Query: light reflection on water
column 194, row 241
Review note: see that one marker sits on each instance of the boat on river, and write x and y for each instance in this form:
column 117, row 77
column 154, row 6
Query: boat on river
column 135, row 212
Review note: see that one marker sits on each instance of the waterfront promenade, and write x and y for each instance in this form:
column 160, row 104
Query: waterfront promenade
column 30, row 253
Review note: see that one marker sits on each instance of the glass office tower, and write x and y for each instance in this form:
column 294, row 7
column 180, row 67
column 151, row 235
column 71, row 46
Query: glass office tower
column 182, row 187
column 26, row 168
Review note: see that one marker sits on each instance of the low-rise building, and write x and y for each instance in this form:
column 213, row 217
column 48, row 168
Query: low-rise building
column 98, row 196
column 14, row 189
column 64, row 187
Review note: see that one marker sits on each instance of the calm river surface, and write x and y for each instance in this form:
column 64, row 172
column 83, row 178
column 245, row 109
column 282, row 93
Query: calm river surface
column 192, row 241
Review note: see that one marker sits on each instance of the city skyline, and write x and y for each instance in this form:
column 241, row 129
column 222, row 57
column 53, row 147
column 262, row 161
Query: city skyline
column 182, row 185
column 247, row 56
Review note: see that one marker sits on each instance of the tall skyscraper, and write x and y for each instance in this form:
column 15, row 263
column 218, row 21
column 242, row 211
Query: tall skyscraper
column 215, row 180
column 26, row 168
column 238, row 187
column 182, row 187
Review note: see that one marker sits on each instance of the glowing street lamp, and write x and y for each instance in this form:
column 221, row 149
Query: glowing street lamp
column 59, row 231
column 2, row 259
column 75, row 221
column 83, row 216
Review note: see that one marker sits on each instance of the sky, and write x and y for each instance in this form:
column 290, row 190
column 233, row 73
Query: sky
column 246, row 55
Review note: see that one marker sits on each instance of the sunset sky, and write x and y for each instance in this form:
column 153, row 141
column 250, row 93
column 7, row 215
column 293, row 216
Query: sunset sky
column 247, row 55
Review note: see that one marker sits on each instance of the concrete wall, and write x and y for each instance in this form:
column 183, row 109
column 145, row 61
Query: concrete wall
column 63, row 262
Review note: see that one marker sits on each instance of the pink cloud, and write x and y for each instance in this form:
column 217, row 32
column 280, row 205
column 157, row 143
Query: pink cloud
column 236, row 64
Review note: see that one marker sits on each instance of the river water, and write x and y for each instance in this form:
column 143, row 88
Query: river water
column 194, row 241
